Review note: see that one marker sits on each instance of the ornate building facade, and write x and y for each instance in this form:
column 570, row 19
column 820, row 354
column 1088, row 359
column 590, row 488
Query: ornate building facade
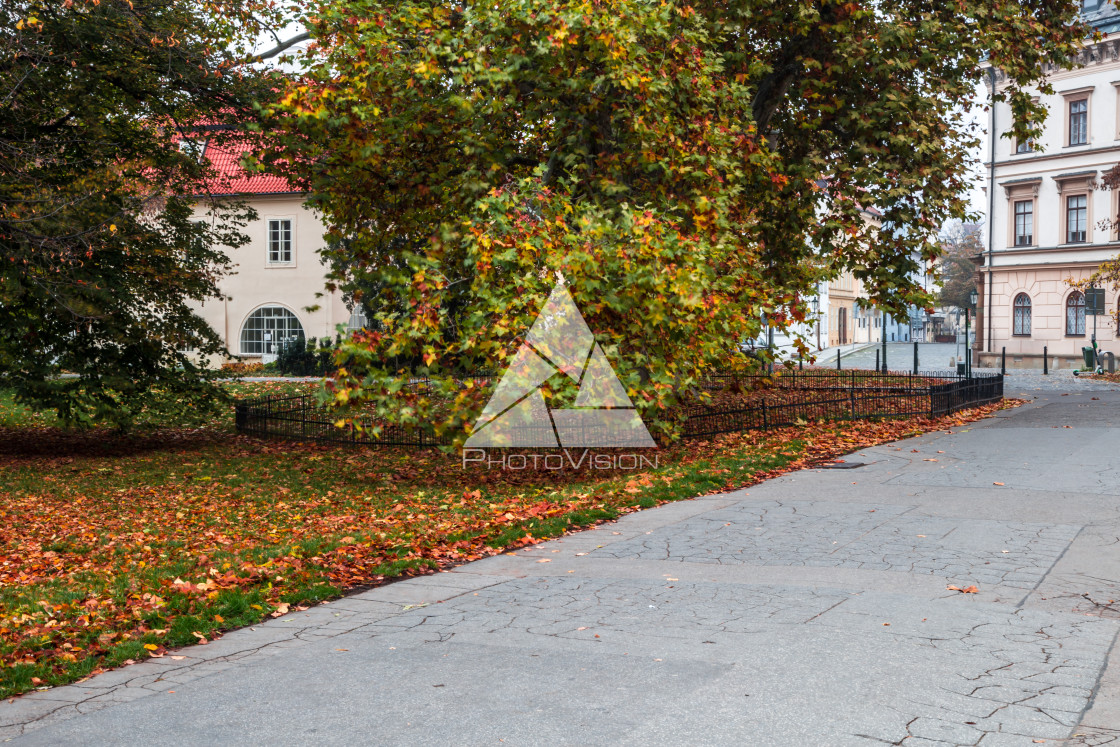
column 1049, row 220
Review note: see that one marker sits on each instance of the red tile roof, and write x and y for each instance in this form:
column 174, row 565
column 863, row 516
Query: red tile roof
column 225, row 155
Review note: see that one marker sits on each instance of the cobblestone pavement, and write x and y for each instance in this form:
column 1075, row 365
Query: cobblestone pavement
column 813, row 609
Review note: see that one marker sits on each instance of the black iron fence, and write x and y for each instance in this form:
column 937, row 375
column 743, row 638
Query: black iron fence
column 755, row 403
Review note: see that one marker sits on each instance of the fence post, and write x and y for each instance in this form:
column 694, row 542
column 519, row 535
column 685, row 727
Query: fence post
column 915, row 357
column 837, row 359
column 1003, row 361
column 852, row 394
column 876, row 360
column 765, row 415
column 1045, row 361
column 884, row 336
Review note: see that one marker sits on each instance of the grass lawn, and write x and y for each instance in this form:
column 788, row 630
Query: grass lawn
column 115, row 548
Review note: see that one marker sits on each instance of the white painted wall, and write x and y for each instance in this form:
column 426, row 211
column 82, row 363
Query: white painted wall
column 255, row 282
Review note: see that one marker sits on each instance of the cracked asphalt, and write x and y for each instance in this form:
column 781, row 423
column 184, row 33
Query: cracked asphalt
column 812, row 609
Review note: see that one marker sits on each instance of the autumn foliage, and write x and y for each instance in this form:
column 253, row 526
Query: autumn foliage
column 113, row 549
column 686, row 168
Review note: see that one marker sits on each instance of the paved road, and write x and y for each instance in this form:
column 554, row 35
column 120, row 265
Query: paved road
column 932, row 356
column 809, row 610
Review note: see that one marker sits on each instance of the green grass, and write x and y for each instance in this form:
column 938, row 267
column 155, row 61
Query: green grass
column 97, row 529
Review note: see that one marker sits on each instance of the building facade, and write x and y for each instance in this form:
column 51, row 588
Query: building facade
column 272, row 294
column 1049, row 220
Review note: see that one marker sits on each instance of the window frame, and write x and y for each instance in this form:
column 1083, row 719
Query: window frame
column 1022, row 191
column 291, row 243
column 1086, row 232
column 195, row 147
column 1083, row 117
column 264, row 344
column 1079, row 185
column 1017, row 327
column 1015, row 222
column 1071, row 304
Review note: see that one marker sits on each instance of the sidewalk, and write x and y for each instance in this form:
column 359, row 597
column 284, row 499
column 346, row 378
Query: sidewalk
column 812, row 609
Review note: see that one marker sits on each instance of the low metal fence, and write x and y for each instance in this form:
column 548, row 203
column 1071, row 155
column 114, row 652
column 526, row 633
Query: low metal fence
column 794, row 398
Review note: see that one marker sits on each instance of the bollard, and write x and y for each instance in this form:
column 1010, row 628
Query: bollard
column 915, row 357
column 1045, row 362
column 1003, row 361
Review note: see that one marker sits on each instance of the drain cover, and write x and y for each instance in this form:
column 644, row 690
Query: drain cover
column 841, row 465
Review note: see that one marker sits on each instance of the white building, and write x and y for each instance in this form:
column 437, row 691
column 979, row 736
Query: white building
column 278, row 274
column 1048, row 220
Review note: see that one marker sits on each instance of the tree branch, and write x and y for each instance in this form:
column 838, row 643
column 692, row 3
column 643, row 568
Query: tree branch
column 283, row 46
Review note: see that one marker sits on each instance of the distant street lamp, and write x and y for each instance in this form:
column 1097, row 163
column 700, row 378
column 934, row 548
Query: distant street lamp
column 817, row 316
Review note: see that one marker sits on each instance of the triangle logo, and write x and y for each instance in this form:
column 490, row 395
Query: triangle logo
column 560, row 342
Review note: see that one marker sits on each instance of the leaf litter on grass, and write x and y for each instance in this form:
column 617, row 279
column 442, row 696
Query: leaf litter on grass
column 143, row 546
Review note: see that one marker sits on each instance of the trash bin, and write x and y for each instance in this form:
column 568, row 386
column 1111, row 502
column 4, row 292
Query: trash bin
column 1090, row 356
column 960, row 369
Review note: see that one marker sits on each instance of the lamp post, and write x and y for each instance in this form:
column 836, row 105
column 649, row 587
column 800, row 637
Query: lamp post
column 816, row 302
column 967, row 339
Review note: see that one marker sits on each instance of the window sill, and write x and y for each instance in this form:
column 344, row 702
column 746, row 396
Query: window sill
column 278, row 265
column 1077, row 145
column 1075, row 337
column 1023, row 337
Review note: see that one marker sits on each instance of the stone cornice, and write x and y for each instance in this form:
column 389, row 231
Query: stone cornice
column 1102, row 53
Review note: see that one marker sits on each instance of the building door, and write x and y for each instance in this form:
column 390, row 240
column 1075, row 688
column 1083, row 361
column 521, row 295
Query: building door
column 842, row 326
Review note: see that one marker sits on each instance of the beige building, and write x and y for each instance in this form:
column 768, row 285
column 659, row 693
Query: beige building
column 1049, row 221
column 271, row 293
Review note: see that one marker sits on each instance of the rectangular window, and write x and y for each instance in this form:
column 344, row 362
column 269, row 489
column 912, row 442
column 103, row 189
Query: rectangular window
column 1024, row 223
column 193, row 147
column 1079, row 122
column 1077, row 218
column 280, row 241
column 1023, row 146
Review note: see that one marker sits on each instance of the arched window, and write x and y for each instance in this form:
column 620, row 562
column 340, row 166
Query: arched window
column 267, row 328
column 1022, row 321
column 1075, row 314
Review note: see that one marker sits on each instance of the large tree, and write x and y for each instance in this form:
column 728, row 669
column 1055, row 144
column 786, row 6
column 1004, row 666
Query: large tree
column 102, row 255
column 960, row 243
column 687, row 168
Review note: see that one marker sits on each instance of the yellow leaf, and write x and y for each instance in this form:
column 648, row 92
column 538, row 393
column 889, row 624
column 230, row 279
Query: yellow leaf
column 151, row 646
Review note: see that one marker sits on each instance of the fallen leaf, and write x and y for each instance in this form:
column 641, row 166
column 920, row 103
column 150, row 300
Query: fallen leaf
column 997, row 483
